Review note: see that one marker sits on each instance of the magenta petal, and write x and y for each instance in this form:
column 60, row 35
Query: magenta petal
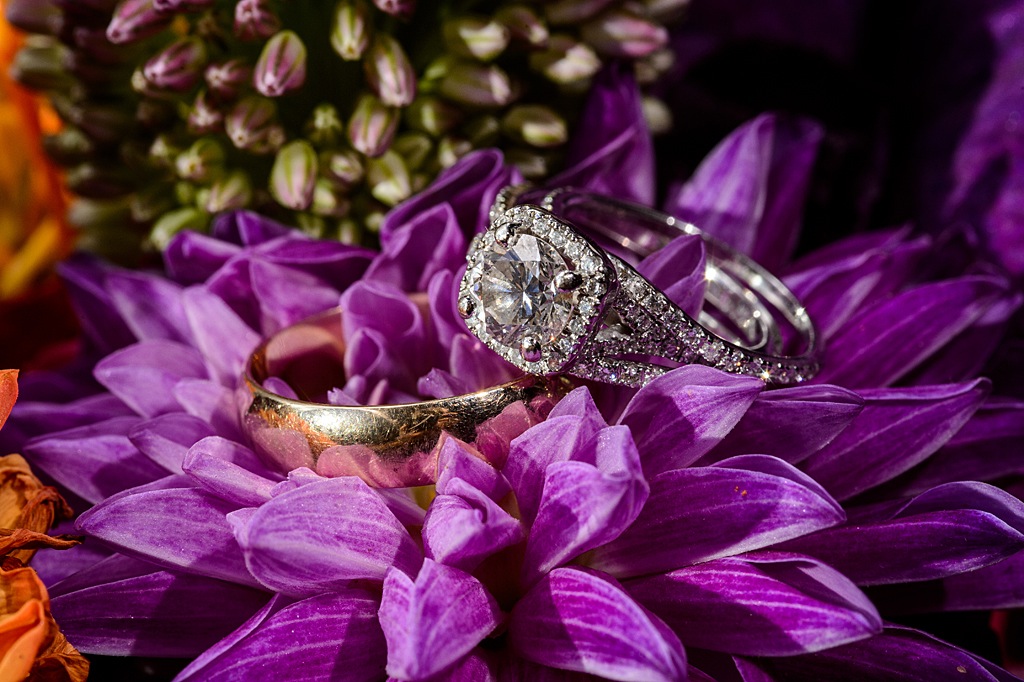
column 166, row 439
column 430, row 243
column 898, row 429
column 613, row 153
column 179, row 528
column 464, row 526
column 337, row 264
column 324, row 534
column 583, row 621
column 585, row 505
column 456, row 461
column 554, row 440
column 750, row 190
column 892, row 338
column 952, row 529
column 212, row 402
column 988, row 447
column 680, row 416
column 104, row 463
column 158, row 613
column 704, row 513
column 997, row 586
column 434, row 620
column 469, row 187
column 325, row 637
column 678, row 270
column 898, row 653
column 791, row 423
column 149, row 304
column 762, row 604
column 191, row 257
column 85, row 278
column 211, row 463
column 224, row 340
column 144, row 374
column 579, row 403
column 275, row 288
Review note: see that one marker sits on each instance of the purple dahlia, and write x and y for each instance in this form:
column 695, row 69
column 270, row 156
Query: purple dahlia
column 701, row 527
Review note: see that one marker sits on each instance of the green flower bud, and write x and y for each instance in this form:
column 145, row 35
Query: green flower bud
column 535, row 124
column 176, row 221
column 151, row 202
column 414, row 148
column 531, row 163
column 568, row 12
column 523, row 24
column 351, row 29
column 483, row 131
column 476, row 38
column 249, row 122
column 478, row 85
column 40, row 65
column 328, row 200
column 232, row 191
column 389, row 72
column 432, row 115
column 566, row 61
column 202, row 162
column 293, row 176
column 324, row 127
column 388, row 178
column 657, row 115
column 450, row 149
column 344, row 167
column 372, row 126
column 281, row 67
column 622, row 33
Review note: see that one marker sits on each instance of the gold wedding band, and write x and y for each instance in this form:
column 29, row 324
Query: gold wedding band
column 388, row 446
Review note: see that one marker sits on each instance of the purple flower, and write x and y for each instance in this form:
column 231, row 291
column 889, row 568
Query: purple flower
column 702, row 526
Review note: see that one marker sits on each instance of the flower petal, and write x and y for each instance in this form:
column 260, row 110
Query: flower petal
column 583, row 621
column 584, row 505
column 761, row 604
column 457, row 460
column 211, row 402
column 323, row 535
column 333, row 262
column 735, row 506
column 464, row 526
column 430, row 243
column 678, row 269
column 144, row 374
column 211, row 464
column 435, row 620
column 325, row 637
column 220, row 335
column 955, row 528
column 166, row 439
column 678, row 417
column 750, row 190
column 104, row 463
column 997, row 586
column 149, row 304
column 191, row 258
column 888, row 656
column 158, row 613
column 897, row 429
column 897, row 335
column 85, row 278
column 274, row 287
column 791, row 423
column 179, row 528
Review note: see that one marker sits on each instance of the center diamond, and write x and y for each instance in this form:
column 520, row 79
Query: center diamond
column 518, row 292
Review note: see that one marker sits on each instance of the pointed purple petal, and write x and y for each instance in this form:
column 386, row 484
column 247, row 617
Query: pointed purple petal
column 211, row 402
column 191, row 257
column 211, row 464
column 791, row 423
column 469, row 187
column 898, row 429
column 582, row 620
column 464, row 526
column 328, row 636
column 149, row 304
column 85, row 278
column 323, row 535
column 431, row 622
column 892, row 338
column 430, row 243
column 456, row 460
column 614, row 155
column 159, row 613
column 762, row 604
column 274, row 287
column 750, row 190
column 337, row 264
column 898, row 653
column 224, row 340
column 247, row 228
column 166, row 439
column 678, row 270
column 179, row 528
column 104, row 461
column 144, row 374
column 680, row 416
column 585, row 505
column 952, row 529
column 704, row 513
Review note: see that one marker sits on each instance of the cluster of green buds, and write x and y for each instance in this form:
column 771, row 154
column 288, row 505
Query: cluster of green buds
column 320, row 114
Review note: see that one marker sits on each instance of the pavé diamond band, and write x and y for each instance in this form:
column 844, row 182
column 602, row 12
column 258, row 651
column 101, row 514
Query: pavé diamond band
column 545, row 289
column 388, row 446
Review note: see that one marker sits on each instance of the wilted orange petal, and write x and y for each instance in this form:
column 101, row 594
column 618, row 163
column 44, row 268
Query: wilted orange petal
column 24, row 539
column 60, row 662
column 22, row 634
column 8, row 393
column 19, row 586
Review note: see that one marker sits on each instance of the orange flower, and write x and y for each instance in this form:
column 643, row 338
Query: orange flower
column 30, row 641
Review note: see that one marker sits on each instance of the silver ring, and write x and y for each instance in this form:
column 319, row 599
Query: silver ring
column 548, row 288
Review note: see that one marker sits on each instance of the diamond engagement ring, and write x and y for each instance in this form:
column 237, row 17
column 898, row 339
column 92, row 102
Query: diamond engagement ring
column 388, row 446
column 548, row 288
